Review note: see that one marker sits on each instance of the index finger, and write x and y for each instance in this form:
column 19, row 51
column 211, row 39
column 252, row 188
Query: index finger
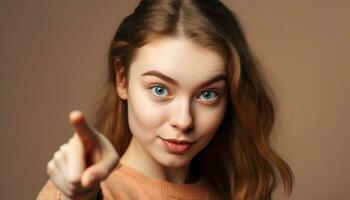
column 83, row 129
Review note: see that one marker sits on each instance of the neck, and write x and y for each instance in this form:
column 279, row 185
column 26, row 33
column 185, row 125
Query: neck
column 135, row 154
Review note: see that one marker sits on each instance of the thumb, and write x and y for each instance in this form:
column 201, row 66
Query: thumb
column 93, row 175
column 99, row 171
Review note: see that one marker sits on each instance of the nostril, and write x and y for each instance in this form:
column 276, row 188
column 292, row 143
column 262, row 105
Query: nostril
column 182, row 125
column 191, row 128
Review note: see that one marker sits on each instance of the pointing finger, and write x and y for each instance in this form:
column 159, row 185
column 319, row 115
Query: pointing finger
column 76, row 160
column 83, row 129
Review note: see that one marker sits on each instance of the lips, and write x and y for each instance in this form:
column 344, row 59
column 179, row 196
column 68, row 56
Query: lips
column 177, row 146
column 179, row 141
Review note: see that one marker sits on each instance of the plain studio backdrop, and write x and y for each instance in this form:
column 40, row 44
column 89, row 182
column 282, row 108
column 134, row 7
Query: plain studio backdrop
column 53, row 56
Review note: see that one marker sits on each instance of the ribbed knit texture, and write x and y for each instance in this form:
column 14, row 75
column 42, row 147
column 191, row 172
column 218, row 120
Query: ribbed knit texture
column 126, row 183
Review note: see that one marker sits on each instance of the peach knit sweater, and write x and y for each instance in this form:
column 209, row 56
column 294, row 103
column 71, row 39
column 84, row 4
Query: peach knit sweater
column 127, row 183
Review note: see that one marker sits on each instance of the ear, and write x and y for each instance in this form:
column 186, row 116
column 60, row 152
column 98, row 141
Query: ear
column 121, row 83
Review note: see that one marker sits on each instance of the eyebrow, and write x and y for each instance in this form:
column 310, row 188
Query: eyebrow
column 158, row 74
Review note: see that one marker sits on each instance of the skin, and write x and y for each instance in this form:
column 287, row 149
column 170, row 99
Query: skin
column 162, row 109
column 184, row 106
column 83, row 162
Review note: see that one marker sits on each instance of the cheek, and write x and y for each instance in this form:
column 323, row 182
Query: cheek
column 208, row 121
column 144, row 115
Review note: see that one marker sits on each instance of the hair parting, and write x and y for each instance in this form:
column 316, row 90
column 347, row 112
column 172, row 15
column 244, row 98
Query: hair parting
column 239, row 161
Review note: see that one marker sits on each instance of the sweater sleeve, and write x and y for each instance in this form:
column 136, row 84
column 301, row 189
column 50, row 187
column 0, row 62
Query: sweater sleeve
column 51, row 192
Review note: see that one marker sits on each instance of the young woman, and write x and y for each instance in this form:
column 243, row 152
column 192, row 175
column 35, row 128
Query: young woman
column 187, row 114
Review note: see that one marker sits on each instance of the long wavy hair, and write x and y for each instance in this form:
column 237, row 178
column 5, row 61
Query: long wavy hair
column 239, row 161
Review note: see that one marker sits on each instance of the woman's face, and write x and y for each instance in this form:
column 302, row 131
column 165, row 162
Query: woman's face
column 176, row 92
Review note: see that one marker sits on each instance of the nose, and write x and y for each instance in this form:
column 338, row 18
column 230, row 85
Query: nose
column 181, row 117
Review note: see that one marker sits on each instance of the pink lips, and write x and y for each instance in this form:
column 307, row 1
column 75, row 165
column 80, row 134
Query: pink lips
column 177, row 146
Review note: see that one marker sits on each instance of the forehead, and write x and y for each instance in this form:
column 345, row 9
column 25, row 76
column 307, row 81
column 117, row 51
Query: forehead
column 178, row 58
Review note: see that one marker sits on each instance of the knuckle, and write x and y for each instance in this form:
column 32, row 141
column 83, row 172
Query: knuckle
column 50, row 167
column 57, row 155
column 71, row 139
column 64, row 147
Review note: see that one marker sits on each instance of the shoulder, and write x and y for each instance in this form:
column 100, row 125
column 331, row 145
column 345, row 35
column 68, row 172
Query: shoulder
column 118, row 185
column 49, row 192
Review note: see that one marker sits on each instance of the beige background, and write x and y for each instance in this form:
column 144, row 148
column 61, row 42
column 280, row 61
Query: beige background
column 53, row 56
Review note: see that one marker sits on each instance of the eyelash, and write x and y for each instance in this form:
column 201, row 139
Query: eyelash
column 216, row 94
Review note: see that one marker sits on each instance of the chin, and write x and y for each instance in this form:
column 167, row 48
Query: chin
column 174, row 161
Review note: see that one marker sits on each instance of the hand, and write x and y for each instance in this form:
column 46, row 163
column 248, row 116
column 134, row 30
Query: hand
column 80, row 165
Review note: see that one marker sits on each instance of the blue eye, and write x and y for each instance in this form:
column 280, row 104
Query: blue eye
column 159, row 90
column 209, row 95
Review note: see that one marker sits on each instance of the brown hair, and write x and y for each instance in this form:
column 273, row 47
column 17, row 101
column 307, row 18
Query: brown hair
column 239, row 161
